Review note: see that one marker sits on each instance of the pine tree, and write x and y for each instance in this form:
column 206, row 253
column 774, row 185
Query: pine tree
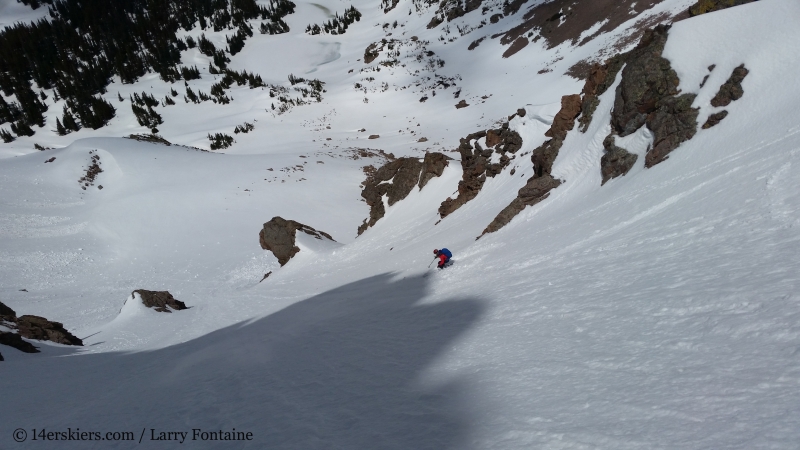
column 60, row 128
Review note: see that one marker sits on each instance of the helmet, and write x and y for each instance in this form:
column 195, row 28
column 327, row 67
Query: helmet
column 436, row 251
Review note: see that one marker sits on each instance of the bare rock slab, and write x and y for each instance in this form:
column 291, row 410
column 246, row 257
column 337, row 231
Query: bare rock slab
column 161, row 301
column 280, row 235
column 35, row 327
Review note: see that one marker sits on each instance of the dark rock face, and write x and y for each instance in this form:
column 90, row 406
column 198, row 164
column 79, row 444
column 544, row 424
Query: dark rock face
column 731, row 90
column 564, row 121
column 646, row 79
column 707, row 6
column 616, row 161
column 714, row 119
column 673, row 123
column 432, row 166
column 462, row 104
column 396, row 179
column 14, row 340
column 404, row 172
column 600, row 78
column 545, row 155
column 560, row 21
column 160, row 300
column 32, row 327
column 648, row 95
column 542, row 182
column 504, row 139
column 537, row 189
column 373, row 51
column 449, row 10
column 476, row 165
column 279, row 236
column 493, row 137
column 35, row 327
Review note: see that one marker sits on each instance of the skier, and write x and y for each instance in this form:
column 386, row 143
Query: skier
column 444, row 256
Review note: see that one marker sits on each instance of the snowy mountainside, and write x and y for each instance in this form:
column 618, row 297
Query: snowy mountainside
column 659, row 310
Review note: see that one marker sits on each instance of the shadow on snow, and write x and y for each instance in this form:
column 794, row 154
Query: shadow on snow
column 336, row 371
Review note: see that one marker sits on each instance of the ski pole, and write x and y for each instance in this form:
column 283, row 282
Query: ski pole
column 429, row 265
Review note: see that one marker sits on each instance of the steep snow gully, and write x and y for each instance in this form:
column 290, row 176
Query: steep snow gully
column 659, row 308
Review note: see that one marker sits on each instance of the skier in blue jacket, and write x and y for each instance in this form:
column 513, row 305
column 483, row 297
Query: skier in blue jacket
column 444, row 256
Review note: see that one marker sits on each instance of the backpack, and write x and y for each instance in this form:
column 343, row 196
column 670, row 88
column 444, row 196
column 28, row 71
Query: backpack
column 446, row 252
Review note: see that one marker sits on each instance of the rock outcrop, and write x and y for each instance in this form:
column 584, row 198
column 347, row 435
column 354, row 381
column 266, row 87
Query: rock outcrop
column 714, row 119
column 449, row 10
column 432, row 166
column 542, row 182
column 395, row 180
column 476, row 163
column 707, row 6
column 279, row 236
column 648, row 95
column 35, row 327
column 564, row 121
column 537, row 189
column 600, row 78
column 161, row 301
column 731, row 90
column 616, row 161
column 32, row 327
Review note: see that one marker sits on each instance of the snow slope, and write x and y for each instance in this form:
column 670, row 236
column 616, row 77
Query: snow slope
column 658, row 311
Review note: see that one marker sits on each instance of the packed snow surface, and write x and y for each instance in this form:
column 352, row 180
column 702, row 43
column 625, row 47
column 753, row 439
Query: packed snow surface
column 661, row 310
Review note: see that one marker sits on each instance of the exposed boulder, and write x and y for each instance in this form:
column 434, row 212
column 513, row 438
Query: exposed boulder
column 707, row 6
column 462, row 104
column 14, row 340
column 537, row 189
column 161, row 301
column 35, row 327
column 714, row 119
column 648, row 95
column 373, row 51
column 616, row 161
column 279, row 236
column 731, row 90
